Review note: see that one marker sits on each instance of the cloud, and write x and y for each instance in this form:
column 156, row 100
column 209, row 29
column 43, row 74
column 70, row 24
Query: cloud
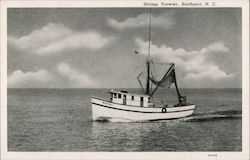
column 213, row 73
column 193, row 65
column 76, row 78
column 164, row 21
column 56, row 38
column 218, row 47
column 20, row 79
column 212, row 77
column 63, row 76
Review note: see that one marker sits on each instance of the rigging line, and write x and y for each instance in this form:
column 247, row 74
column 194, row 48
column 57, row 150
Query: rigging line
column 155, row 75
column 138, row 77
column 140, row 82
column 133, row 71
column 141, row 85
column 128, row 76
column 151, row 86
column 139, row 66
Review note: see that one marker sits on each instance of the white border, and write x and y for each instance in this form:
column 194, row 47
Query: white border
column 5, row 155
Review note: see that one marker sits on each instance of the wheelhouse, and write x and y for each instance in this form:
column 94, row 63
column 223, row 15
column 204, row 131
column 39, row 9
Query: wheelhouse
column 125, row 98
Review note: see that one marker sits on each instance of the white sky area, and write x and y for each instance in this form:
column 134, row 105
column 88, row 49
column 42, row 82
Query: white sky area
column 94, row 48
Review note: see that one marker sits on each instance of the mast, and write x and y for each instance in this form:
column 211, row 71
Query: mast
column 148, row 73
column 148, row 59
column 149, row 34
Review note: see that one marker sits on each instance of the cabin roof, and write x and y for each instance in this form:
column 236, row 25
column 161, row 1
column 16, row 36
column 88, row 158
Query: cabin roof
column 127, row 93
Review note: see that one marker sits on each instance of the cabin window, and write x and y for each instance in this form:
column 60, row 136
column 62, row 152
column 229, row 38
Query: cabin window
column 119, row 96
column 132, row 98
column 115, row 95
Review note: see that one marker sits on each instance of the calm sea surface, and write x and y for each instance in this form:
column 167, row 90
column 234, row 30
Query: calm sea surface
column 61, row 120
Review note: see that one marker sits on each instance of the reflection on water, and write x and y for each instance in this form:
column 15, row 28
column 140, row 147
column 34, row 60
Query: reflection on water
column 177, row 135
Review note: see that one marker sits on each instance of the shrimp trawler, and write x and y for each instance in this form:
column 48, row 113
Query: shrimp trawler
column 126, row 106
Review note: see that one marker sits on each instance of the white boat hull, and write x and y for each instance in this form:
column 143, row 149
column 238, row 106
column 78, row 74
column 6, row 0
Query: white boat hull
column 108, row 110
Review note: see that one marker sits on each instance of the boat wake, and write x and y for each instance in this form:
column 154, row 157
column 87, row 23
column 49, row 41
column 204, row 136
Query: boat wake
column 212, row 116
column 112, row 119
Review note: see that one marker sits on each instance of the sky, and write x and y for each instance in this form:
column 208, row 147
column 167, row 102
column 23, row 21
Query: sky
column 95, row 47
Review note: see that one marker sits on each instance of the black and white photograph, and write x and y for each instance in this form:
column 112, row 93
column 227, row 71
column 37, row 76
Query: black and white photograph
column 126, row 79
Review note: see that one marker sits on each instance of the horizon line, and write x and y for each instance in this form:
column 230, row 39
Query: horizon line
column 119, row 88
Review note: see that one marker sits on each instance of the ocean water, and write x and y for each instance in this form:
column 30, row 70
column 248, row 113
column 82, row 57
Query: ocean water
column 60, row 120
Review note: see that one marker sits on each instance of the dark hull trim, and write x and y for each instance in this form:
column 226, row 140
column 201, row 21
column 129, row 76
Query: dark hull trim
column 152, row 120
column 139, row 111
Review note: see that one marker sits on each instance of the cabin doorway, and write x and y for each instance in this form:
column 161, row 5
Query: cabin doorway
column 124, row 99
column 141, row 102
